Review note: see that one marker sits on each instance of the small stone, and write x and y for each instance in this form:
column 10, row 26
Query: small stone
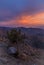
column 23, row 56
column 11, row 50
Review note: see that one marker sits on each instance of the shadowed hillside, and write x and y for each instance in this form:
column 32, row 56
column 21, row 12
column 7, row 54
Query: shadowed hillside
column 34, row 35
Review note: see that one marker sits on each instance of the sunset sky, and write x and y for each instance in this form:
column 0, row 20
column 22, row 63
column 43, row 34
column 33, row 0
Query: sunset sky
column 22, row 13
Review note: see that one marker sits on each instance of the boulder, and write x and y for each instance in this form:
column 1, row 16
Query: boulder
column 11, row 50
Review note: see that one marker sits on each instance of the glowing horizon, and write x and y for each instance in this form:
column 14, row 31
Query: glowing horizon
column 22, row 13
column 26, row 21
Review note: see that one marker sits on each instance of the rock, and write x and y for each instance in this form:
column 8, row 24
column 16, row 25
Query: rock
column 22, row 56
column 11, row 50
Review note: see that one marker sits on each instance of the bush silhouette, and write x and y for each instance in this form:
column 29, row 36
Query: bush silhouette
column 16, row 36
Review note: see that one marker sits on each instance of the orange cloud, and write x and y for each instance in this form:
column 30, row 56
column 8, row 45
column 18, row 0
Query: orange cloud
column 37, row 19
column 26, row 20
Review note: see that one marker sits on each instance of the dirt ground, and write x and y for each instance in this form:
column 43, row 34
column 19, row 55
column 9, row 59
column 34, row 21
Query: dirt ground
column 5, row 59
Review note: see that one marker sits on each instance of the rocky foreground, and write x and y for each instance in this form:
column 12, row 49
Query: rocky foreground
column 6, row 59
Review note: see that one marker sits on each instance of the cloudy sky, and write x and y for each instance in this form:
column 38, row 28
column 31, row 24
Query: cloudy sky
column 23, row 13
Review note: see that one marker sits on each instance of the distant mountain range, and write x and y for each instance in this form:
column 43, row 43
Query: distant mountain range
column 28, row 31
column 32, row 31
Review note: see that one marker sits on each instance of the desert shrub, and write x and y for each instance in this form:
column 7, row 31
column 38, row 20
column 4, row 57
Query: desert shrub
column 15, row 36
